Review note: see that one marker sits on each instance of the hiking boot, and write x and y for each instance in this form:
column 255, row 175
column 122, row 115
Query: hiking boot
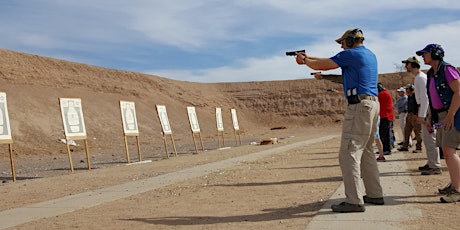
column 432, row 171
column 381, row 159
column 446, row 190
column 417, row 151
column 451, row 198
column 376, row 201
column 425, row 167
column 402, row 149
column 347, row 207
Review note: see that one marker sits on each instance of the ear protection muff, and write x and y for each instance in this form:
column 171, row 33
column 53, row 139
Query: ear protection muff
column 380, row 87
column 410, row 87
column 437, row 53
column 351, row 38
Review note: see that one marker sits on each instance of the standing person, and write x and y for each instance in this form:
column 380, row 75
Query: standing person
column 443, row 87
column 356, row 157
column 412, row 121
column 401, row 108
column 378, row 143
column 386, row 118
column 433, row 164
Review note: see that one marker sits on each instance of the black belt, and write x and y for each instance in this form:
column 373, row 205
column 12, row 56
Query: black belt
column 439, row 110
column 405, row 111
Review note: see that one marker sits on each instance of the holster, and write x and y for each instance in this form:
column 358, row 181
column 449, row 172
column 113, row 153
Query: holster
column 353, row 99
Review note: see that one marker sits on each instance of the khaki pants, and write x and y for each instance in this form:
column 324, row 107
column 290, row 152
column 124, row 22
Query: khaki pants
column 402, row 125
column 356, row 156
column 412, row 125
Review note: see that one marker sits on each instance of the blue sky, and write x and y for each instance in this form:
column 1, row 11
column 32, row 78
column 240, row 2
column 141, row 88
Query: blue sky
column 224, row 41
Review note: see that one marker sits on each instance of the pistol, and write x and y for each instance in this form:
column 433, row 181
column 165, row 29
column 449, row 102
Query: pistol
column 293, row 53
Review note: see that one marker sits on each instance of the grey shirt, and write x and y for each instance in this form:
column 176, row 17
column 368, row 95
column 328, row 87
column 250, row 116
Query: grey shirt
column 401, row 104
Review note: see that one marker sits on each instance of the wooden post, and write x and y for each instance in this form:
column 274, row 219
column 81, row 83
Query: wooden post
column 13, row 172
column 236, row 139
column 220, row 127
column 88, row 160
column 166, row 145
column 166, row 127
column 194, row 143
column 218, row 139
column 5, row 136
column 129, row 124
column 138, row 148
column 201, row 140
column 74, row 125
column 70, row 155
column 126, row 149
column 194, row 126
column 236, row 127
column 174, row 145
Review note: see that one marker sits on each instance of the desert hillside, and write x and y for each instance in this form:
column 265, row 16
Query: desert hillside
column 34, row 83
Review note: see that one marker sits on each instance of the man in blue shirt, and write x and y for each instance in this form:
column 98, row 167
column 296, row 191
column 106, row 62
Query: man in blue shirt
column 356, row 158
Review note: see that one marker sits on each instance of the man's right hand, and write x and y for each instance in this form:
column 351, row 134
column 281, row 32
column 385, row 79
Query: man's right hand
column 300, row 58
column 317, row 75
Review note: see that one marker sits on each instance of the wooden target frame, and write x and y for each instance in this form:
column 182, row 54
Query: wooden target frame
column 130, row 127
column 194, row 126
column 220, row 127
column 5, row 131
column 236, row 127
column 166, row 128
column 74, row 125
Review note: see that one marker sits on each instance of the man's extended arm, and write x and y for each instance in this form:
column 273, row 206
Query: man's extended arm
column 336, row 78
column 316, row 63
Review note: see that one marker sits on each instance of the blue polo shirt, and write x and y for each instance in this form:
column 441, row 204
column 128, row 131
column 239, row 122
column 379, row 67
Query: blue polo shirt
column 359, row 70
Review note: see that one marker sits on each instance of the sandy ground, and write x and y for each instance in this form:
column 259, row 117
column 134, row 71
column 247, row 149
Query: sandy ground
column 282, row 191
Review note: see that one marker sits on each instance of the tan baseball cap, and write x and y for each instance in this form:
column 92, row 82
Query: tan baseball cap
column 412, row 59
column 357, row 33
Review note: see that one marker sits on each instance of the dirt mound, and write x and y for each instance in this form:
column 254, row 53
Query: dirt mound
column 33, row 85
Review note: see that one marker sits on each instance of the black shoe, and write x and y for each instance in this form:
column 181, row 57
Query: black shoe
column 417, row 151
column 425, row 167
column 376, row 201
column 347, row 207
column 401, row 143
column 432, row 171
column 402, row 149
column 446, row 190
column 452, row 197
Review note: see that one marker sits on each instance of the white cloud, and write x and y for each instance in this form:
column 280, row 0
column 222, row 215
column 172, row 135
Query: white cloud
column 111, row 32
column 390, row 47
column 252, row 69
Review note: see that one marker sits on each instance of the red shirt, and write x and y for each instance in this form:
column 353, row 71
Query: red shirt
column 386, row 105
